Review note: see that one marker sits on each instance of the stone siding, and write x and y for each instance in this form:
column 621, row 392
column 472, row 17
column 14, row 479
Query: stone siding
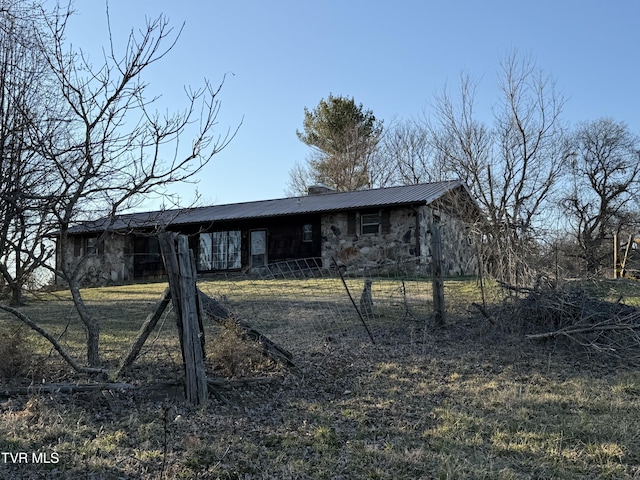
column 458, row 248
column 113, row 265
column 360, row 251
column 408, row 241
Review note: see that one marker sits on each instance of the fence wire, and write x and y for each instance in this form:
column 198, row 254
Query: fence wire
column 300, row 305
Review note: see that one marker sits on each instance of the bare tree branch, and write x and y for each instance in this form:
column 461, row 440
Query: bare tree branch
column 34, row 326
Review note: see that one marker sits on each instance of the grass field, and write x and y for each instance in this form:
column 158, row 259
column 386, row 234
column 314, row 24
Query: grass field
column 467, row 401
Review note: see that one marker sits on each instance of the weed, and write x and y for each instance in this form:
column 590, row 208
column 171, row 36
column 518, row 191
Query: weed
column 325, row 436
column 16, row 357
column 232, row 356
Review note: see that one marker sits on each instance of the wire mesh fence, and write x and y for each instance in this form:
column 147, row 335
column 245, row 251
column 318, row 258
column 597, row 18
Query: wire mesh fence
column 300, row 305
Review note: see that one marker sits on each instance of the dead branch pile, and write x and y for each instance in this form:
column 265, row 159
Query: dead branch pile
column 575, row 315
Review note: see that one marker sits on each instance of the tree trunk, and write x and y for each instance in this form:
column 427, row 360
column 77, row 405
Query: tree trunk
column 92, row 326
column 14, row 286
column 16, row 293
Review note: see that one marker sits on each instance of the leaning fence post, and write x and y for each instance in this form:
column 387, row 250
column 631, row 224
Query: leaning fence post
column 353, row 302
column 182, row 282
column 145, row 330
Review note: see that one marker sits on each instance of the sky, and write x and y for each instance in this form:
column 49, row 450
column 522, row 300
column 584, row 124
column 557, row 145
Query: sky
column 278, row 57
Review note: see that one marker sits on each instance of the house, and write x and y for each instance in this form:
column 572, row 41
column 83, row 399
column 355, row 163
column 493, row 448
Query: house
column 358, row 229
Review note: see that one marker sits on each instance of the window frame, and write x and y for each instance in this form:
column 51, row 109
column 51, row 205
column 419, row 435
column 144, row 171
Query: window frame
column 367, row 223
column 91, row 246
column 213, row 258
column 307, row 233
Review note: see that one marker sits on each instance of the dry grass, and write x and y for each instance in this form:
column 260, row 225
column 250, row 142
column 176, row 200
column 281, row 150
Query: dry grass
column 463, row 402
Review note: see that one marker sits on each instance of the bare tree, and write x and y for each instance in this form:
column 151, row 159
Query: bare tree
column 300, row 179
column 510, row 168
column 409, row 153
column 605, row 181
column 25, row 180
column 111, row 146
column 381, row 168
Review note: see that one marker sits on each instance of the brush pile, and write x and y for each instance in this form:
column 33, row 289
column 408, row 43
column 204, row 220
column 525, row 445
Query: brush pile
column 572, row 313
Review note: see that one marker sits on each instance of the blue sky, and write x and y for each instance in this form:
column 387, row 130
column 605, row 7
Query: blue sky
column 392, row 57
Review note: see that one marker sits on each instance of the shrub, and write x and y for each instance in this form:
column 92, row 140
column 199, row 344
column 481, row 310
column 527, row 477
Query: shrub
column 15, row 354
column 232, row 355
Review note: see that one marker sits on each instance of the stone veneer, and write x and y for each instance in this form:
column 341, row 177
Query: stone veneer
column 401, row 245
column 114, row 266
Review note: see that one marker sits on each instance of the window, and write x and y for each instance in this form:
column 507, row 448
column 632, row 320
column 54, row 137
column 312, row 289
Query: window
column 219, row 251
column 307, row 233
column 370, row 223
column 87, row 246
column 91, row 246
column 147, row 259
column 204, row 252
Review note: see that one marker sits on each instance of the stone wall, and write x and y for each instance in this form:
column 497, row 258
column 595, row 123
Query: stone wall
column 458, row 248
column 111, row 265
column 369, row 250
column 408, row 240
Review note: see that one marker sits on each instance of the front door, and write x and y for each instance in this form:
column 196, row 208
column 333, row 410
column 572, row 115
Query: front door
column 258, row 242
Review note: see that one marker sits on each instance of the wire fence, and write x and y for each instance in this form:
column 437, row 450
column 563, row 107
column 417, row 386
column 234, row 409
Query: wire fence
column 300, row 305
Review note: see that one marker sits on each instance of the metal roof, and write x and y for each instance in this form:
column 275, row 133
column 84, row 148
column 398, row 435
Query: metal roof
column 422, row 194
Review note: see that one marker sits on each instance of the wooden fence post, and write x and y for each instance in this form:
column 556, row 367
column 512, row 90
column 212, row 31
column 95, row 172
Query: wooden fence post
column 182, row 283
column 615, row 256
column 436, row 268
